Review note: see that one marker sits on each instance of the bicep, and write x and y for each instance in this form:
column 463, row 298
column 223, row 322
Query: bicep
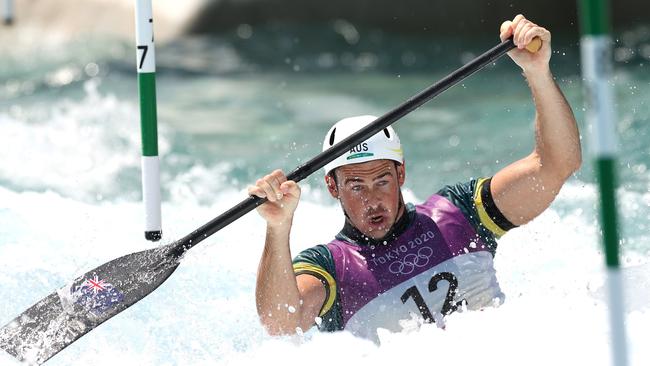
column 524, row 189
column 312, row 294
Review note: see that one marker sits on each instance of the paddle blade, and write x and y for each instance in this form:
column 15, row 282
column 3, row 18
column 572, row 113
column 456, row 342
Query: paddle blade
column 77, row 308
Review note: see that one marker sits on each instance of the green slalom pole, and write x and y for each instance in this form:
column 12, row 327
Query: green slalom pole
column 146, row 64
column 597, row 70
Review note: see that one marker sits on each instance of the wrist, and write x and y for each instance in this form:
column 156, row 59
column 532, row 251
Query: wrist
column 277, row 239
column 281, row 227
column 538, row 74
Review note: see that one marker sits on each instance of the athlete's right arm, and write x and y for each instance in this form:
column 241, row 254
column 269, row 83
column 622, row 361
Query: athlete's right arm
column 284, row 301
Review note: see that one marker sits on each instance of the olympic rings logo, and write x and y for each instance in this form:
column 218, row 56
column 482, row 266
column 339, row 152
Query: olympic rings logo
column 411, row 261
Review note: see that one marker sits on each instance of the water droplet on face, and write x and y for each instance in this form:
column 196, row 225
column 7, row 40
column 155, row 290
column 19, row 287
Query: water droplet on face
column 291, row 309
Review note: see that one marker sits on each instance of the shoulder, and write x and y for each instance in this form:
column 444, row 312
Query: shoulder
column 318, row 262
column 474, row 199
column 460, row 193
column 318, row 256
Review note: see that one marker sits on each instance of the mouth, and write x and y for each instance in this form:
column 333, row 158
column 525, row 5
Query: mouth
column 377, row 220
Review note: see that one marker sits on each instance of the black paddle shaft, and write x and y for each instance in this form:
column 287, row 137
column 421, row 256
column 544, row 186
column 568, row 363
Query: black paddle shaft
column 319, row 161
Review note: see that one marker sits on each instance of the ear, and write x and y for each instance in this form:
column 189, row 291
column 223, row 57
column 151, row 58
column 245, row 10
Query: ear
column 331, row 186
column 401, row 173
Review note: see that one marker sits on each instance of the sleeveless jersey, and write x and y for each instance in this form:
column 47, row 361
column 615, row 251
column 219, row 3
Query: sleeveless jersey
column 439, row 264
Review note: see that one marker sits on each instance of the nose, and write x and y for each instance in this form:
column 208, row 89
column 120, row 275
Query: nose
column 373, row 199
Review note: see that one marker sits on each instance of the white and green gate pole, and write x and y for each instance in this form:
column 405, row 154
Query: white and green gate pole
column 146, row 64
column 8, row 12
column 597, row 71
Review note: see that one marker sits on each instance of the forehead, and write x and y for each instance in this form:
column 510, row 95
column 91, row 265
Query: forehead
column 368, row 169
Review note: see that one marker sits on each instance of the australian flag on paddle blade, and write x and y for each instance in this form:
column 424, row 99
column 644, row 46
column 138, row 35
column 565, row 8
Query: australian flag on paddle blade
column 97, row 295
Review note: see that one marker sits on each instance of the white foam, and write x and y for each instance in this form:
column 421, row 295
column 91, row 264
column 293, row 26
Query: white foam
column 7, row 359
column 84, row 145
column 205, row 313
column 54, row 230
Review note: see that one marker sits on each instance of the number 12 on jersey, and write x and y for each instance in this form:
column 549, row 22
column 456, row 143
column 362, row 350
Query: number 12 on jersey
column 449, row 306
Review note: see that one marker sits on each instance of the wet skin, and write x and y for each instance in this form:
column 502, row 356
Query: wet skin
column 370, row 194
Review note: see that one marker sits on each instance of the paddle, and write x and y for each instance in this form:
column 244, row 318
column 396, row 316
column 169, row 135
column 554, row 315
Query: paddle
column 74, row 310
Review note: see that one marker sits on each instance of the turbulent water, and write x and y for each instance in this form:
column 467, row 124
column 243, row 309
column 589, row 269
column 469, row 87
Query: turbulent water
column 232, row 108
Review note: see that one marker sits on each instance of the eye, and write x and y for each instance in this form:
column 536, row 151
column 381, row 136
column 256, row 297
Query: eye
column 356, row 188
column 382, row 183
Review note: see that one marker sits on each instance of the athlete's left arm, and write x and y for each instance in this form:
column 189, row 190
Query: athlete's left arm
column 524, row 189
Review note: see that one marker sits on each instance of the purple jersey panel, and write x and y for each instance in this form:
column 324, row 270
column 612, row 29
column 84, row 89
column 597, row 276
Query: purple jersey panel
column 438, row 233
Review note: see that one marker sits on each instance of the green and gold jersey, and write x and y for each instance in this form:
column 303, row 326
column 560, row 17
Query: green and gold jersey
column 473, row 199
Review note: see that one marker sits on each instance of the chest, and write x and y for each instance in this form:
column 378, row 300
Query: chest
column 427, row 272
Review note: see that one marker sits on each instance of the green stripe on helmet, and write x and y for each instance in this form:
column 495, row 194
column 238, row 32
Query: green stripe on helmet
column 359, row 155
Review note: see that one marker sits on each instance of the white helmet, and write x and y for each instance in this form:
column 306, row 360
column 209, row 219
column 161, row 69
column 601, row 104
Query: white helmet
column 383, row 145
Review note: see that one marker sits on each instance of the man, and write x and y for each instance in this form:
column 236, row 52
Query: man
column 394, row 262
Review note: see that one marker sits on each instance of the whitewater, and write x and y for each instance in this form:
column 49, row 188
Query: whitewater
column 70, row 201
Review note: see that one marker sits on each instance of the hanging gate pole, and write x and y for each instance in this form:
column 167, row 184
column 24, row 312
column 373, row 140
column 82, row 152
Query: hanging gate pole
column 146, row 65
column 597, row 70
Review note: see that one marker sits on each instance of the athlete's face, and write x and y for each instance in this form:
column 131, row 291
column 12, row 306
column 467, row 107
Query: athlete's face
column 370, row 194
